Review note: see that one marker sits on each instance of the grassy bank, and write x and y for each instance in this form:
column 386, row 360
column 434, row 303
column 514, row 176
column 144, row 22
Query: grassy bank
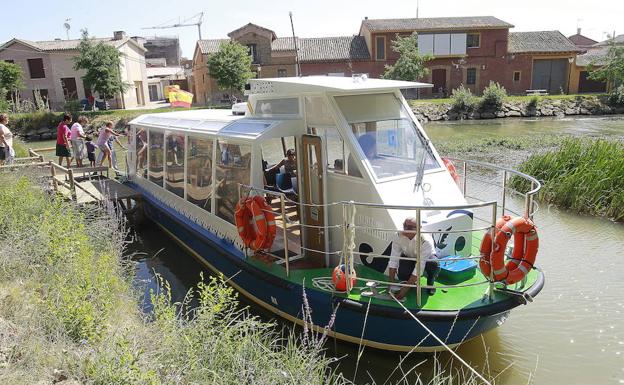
column 67, row 311
column 586, row 176
column 520, row 98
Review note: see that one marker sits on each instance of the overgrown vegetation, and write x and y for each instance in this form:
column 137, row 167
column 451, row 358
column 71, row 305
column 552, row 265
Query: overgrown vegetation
column 494, row 96
column 616, row 98
column 66, row 304
column 411, row 64
column 583, row 175
column 463, row 99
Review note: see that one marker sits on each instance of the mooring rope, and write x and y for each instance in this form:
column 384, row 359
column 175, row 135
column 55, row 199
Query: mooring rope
column 442, row 342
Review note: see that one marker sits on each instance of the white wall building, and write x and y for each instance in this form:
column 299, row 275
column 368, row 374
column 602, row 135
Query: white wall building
column 48, row 67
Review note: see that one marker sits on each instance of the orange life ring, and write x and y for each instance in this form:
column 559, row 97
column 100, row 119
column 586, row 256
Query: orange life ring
column 526, row 244
column 451, row 169
column 255, row 223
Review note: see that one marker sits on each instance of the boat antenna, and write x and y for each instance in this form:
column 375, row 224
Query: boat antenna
column 292, row 26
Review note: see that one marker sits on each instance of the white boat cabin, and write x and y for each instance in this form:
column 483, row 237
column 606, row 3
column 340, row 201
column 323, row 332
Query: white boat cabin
column 355, row 139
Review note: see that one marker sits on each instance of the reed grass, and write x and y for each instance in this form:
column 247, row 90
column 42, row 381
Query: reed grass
column 583, row 175
column 69, row 313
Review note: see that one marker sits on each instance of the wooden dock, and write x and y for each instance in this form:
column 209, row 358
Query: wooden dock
column 83, row 185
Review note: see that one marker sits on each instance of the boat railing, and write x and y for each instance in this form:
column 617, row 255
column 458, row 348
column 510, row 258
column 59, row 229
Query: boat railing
column 349, row 227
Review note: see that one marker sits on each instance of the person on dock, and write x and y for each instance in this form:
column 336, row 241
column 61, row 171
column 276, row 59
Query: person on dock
column 77, row 136
column 102, row 142
column 63, row 149
column 6, row 141
column 404, row 245
column 90, row 151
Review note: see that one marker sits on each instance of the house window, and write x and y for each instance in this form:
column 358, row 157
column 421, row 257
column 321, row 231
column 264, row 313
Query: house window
column 10, row 61
column 473, row 40
column 43, row 93
column 253, row 52
column 281, row 73
column 35, row 66
column 380, row 48
column 471, row 76
column 516, row 77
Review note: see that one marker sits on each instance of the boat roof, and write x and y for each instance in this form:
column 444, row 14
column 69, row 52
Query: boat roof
column 209, row 121
column 306, row 84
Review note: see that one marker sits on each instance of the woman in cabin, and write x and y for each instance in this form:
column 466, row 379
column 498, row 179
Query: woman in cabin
column 289, row 163
column 404, row 245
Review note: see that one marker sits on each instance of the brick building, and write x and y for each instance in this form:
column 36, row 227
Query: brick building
column 466, row 50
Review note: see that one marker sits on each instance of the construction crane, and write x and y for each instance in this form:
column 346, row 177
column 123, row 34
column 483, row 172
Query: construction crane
column 184, row 23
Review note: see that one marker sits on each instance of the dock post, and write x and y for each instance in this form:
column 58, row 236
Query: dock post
column 72, row 185
column 53, row 173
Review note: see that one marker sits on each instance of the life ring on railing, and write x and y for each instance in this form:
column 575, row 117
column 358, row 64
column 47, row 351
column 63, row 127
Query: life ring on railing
column 526, row 244
column 451, row 169
column 255, row 223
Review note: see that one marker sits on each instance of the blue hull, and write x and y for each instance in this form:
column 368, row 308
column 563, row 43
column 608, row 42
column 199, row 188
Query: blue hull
column 386, row 328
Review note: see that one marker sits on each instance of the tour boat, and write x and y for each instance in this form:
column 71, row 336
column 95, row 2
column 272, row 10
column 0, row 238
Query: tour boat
column 363, row 165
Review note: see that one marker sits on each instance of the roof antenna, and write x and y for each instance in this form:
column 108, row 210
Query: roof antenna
column 67, row 27
column 298, row 66
column 417, row 8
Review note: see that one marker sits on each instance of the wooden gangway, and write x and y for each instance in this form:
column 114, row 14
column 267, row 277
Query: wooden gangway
column 83, row 185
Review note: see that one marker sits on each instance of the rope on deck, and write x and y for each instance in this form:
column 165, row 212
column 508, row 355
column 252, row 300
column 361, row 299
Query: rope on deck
column 442, row 342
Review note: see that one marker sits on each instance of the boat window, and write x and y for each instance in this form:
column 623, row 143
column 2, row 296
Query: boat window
column 288, row 106
column 338, row 155
column 156, row 156
column 140, row 142
column 174, row 180
column 199, row 172
column 388, row 137
column 233, row 167
column 318, row 112
column 246, row 127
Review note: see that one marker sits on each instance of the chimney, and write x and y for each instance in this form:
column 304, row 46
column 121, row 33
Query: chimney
column 119, row 35
column 578, row 31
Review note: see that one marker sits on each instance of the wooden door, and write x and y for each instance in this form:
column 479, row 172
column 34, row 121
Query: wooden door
column 312, row 196
column 70, row 91
column 438, row 78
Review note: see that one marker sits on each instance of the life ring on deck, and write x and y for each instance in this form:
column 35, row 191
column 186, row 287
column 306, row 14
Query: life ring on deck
column 255, row 223
column 451, row 169
column 526, row 244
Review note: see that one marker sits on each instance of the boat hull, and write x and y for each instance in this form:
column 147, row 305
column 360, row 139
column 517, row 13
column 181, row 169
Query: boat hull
column 382, row 327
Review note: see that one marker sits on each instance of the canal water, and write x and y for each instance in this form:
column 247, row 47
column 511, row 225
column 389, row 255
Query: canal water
column 573, row 333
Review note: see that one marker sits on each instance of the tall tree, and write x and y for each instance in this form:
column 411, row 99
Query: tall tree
column 101, row 63
column 609, row 69
column 10, row 76
column 411, row 64
column 231, row 66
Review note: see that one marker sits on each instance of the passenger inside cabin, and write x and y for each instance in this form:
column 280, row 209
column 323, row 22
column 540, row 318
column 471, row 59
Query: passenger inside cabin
column 289, row 163
column 404, row 245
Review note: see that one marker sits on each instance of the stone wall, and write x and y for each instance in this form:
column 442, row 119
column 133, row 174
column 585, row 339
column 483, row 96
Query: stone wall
column 589, row 105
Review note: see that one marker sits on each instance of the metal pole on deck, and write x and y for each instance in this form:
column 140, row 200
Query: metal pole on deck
column 491, row 291
column 503, row 198
column 465, row 168
column 418, row 269
column 285, row 231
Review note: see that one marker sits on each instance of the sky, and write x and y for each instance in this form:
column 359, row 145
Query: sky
column 44, row 19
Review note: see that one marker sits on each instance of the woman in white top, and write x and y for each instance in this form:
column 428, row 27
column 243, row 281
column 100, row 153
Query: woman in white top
column 6, row 140
column 77, row 139
column 404, row 245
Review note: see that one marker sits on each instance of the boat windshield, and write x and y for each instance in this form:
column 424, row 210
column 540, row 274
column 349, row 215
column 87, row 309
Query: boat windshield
column 387, row 135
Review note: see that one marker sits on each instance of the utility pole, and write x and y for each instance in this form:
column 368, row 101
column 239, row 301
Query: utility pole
column 298, row 66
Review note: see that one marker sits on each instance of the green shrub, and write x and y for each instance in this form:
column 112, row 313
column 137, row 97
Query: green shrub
column 463, row 100
column 583, row 175
column 4, row 103
column 493, row 97
column 616, row 97
column 532, row 104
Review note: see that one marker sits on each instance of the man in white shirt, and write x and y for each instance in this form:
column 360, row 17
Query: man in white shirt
column 404, row 245
column 77, row 139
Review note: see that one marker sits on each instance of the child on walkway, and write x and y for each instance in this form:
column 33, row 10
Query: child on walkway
column 90, row 151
